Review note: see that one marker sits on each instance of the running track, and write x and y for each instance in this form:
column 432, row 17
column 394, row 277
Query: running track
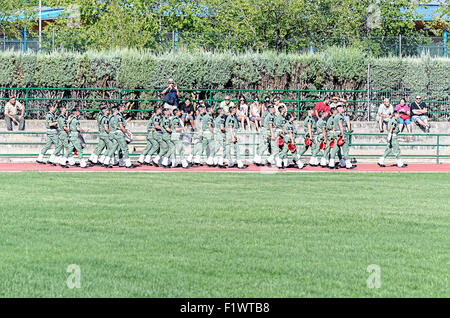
column 18, row 167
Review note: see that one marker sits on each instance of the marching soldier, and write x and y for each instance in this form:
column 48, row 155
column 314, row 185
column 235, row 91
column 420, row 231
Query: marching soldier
column 145, row 157
column 220, row 138
column 177, row 128
column 208, row 134
column 264, row 138
column 322, row 134
column 75, row 131
column 330, row 137
column 310, row 127
column 279, row 132
column 167, row 146
column 103, row 136
column 63, row 136
column 157, row 136
column 232, row 125
column 340, row 129
column 117, row 128
column 289, row 139
column 392, row 142
column 52, row 136
column 197, row 142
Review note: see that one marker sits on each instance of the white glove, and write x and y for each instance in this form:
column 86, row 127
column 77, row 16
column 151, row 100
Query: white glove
column 389, row 137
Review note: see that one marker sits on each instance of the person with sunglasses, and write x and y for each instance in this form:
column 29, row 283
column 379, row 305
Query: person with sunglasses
column 419, row 112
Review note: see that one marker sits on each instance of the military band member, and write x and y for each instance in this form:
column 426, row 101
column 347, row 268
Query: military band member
column 340, row 129
column 103, row 136
column 208, row 134
column 231, row 126
column 310, row 127
column 271, row 137
column 52, row 136
column 63, row 135
column 167, row 144
column 392, row 142
column 220, row 138
column 264, row 138
column 177, row 128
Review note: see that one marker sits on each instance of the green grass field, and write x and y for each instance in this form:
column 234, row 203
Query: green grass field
column 224, row 234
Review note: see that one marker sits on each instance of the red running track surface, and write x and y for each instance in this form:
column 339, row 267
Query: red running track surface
column 17, row 167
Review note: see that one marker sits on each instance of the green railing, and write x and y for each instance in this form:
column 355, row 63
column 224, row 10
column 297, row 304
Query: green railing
column 297, row 99
column 251, row 143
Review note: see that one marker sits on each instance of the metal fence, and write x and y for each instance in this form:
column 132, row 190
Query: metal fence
column 362, row 104
column 400, row 46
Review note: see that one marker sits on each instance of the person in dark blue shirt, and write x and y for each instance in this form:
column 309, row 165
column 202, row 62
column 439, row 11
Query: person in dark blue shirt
column 171, row 95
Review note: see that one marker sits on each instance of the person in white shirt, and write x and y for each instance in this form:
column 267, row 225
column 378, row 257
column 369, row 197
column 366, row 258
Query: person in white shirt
column 384, row 114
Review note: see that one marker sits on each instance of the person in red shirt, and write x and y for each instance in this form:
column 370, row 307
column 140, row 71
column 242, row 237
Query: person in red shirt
column 321, row 106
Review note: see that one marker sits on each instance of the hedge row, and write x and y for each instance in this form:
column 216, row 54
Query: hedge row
column 335, row 68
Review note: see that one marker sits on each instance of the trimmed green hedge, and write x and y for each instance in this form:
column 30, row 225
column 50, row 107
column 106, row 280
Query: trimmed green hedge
column 334, row 68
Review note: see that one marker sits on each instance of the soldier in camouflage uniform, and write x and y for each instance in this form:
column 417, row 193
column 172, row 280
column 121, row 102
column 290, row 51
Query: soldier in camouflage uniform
column 177, row 128
column 220, row 138
column 330, row 137
column 322, row 134
column 279, row 123
column 167, row 145
column 289, row 138
column 63, row 136
column 52, row 136
column 340, row 130
column 231, row 126
column 310, row 128
column 117, row 129
column 75, row 141
column 157, row 135
column 145, row 157
column 197, row 138
column 208, row 135
column 103, row 136
column 264, row 141
column 392, row 142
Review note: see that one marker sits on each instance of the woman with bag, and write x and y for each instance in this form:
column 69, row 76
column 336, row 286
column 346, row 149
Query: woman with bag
column 403, row 110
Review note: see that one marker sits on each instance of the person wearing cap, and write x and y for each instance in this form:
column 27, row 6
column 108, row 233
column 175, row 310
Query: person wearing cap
column 197, row 138
column 392, row 142
column 145, row 157
column 171, row 95
column 177, row 127
column 219, row 138
column 63, row 136
column 231, row 126
column 117, row 128
column 267, row 135
column 167, row 145
column 208, row 135
column 75, row 130
column 157, row 136
column 310, row 128
column 340, row 128
column 103, row 136
column 52, row 136
column 322, row 134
